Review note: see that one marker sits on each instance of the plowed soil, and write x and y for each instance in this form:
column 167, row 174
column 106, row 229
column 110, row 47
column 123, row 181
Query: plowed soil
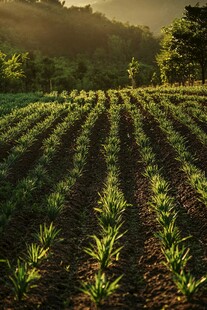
column 146, row 281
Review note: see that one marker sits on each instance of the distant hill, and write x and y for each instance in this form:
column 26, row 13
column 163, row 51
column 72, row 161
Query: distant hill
column 73, row 47
column 152, row 13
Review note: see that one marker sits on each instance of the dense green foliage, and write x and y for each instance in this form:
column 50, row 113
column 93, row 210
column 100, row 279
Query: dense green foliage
column 73, row 47
column 184, row 47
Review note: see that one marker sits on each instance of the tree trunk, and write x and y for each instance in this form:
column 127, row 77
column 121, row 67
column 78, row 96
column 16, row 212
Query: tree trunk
column 50, row 86
column 203, row 73
column 133, row 83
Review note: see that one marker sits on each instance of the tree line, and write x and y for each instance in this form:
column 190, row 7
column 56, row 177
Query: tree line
column 73, row 47
column 58, row 48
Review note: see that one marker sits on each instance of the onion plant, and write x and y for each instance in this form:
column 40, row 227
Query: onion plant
column 111, row 206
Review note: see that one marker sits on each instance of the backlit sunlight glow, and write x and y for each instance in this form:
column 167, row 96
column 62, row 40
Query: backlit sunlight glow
column 79, row 2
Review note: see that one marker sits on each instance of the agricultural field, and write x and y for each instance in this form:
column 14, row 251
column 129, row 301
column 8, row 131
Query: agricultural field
column 104, row 200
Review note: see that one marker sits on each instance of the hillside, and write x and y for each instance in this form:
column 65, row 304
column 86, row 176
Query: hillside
column 73, row 48
column 64, row 31
column 144, row 12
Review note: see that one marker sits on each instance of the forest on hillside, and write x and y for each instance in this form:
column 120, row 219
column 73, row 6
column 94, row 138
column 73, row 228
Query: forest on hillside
column 73, row 47
column 46, row 46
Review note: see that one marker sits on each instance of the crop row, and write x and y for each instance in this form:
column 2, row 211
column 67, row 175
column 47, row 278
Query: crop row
column 173, row 247
column 111, row 205
column 24, row 274
column 23, row 127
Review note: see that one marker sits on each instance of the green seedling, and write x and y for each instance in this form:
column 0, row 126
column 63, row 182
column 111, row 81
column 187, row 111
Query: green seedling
column 159, row 185
column 187, row 284
column 22, row 278
column 176, row 258
column 47, row 236
column 162, row 202
column 170, row 235
column 101, row 289
column 7, row 208
column 24, row 190
column 151, row 170
column 35, row 254
column 164, row 218
column 112, row 205
column 54, row 205
column 103, row 249
column 3, row 221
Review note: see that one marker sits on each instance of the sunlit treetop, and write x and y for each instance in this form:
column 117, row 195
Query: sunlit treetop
column 186, row 38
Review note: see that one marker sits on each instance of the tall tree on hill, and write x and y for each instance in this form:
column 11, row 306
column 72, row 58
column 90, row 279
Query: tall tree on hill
column 174, row 64
column 187, row 42
column 194, row 35
column 133, row 69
